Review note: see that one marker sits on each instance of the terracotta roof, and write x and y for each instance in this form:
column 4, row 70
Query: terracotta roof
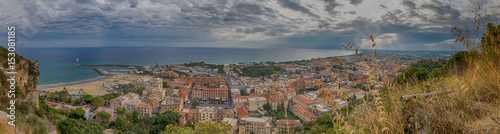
column 143, row 105
column 221, row 88
column 275, row 99
column 289, row 122
column 242, row 111
column 304, row 111
column 304, row 99
column 189, row 111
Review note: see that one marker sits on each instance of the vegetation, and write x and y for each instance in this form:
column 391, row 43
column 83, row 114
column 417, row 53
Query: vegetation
column 471, row 107
column 303, row 90
column 256, row 71
column 98, row 102
column 206, row 127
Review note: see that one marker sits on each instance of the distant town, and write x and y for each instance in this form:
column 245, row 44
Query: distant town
column 258, row 97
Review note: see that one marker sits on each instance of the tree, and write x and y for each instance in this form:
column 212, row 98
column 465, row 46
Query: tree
column 78, row 113
column 104, row 115
column 52, row 96
column 135, row 116
column 267, row 107
column 98, row 102
column 121, row 110
column 65, row 99
column 36, row 124
column 72, row 101
column 208, row 127
column 121, row 123
column 168, row 117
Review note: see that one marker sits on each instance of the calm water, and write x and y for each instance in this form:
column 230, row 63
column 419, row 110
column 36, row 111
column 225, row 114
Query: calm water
column 57, row 64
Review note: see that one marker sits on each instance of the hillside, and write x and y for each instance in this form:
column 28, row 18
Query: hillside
column 26, row 87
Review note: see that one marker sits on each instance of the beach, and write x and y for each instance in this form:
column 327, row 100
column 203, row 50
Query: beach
column 96, row 86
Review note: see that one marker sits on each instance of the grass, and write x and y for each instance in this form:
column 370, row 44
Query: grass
column 473, row 107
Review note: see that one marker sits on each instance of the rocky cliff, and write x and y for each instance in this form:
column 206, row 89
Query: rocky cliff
column 26, row 79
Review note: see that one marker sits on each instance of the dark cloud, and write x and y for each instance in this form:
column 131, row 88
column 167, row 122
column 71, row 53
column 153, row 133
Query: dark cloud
column 330, row 6
column 133, row 3
column 356, row 2
column 297, row 7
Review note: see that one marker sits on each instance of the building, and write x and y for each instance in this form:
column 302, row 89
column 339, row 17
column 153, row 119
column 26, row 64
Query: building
column 233, row 122
column 183, row 93
column 256, row 103
column 275, row 99
column 227, row 113
column 107, row 110
column 172, row 104
column 207, row 114
column 319, row 109
column 275, row 102
column 189, row 115
column 302, row 113
column 145, row 109
column 256, row 125
column 242, row 112
column 210, row 92
column 303, row 101
column 155, row 104
column 148, row 83
column 157, row 93
column 132, row 104
column 286, row 126
column 123, row 100
column 242, row 101
column 289, row 93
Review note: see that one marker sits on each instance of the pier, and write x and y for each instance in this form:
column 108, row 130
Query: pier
column 109, row 65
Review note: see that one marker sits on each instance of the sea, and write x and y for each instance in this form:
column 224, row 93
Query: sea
column 57, row 65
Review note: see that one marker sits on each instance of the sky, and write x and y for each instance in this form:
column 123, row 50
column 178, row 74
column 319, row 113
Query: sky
column 309, row 24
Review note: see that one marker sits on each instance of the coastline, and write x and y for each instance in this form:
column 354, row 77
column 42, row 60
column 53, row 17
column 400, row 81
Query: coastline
column 48, row 86
column 95, row 86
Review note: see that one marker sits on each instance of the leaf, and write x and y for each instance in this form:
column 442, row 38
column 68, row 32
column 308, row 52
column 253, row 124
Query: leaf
column 357, row 50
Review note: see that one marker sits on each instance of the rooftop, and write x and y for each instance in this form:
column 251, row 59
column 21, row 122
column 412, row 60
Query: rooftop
column 305, row 99
column 304, row 111
column 290, row 122
column 242, row 111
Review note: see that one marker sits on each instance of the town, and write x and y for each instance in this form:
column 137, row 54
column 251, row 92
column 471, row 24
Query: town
column 261, row 98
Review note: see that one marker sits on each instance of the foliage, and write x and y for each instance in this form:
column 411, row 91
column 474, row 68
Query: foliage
column 267, row 107
column 73, row 126
column 36, row 124
column 121, row 110
column 413, row 75
column 165, row 85
column 104, row 115
column 303, row 90
column 206, row 127
column 98, row 102
column 256, row 71
column 77, row 113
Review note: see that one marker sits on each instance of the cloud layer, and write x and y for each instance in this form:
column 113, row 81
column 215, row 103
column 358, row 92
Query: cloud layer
column 321, row 24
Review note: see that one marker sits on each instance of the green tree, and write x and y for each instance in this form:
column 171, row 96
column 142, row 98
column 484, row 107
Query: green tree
column 52, row 96
column 65, row 98
column 121, row 110
column 121, row 123
column 98, row 102
column 267, row 107
column 104, row 115
column 78, row 113
column 36, row 124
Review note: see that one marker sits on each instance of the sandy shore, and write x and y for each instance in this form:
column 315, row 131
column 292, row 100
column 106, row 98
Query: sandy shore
column 98, row 86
